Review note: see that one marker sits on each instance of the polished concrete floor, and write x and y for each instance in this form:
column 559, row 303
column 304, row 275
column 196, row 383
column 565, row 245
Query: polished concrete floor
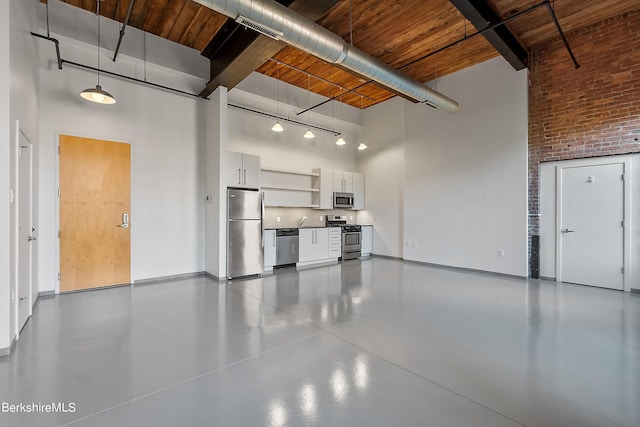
column 372, row 343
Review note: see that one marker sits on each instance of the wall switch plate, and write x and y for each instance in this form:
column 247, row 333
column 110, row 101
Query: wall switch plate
column 321, row 217
column 351, row 218
column 277, row 219
column 12, row 197
column 500, row 252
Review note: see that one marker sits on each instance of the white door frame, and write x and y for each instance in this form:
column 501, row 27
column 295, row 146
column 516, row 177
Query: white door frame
column 597, row 161
column 56, row 209
column 16, row 285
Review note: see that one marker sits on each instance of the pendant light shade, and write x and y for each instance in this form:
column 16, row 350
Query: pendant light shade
column 98, row 95
column 340, row 141
column 362, row 146
column 309, row 135
column 277, row 127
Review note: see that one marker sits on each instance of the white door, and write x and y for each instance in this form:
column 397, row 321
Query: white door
column 24, row 232
column 306, row 245
column 250, row 171
column 269, row 248
column 591, row 225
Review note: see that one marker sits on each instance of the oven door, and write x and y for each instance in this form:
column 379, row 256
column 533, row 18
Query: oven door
column 351, row 241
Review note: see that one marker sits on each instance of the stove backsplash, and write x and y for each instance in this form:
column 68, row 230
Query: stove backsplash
column 291, row 217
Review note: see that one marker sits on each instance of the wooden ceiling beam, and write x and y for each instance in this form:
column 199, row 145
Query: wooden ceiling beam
column 235, row 52
column 481, row 14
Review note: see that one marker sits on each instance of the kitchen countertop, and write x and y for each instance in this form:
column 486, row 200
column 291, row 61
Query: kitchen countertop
column 313, row 226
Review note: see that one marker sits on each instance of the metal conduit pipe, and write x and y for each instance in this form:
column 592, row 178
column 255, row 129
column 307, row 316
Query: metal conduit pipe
column 276, row 21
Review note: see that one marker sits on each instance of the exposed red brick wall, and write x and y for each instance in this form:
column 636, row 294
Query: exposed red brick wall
column 588, row 112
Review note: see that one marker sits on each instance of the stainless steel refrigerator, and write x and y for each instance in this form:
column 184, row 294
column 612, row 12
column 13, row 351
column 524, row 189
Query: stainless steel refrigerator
column 245, row 245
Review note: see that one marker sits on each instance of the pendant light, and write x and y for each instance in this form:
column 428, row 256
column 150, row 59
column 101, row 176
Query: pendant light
column 97, row 94
column 362, row 146
column 308, row 134
column 340, row 140
column 278, row 127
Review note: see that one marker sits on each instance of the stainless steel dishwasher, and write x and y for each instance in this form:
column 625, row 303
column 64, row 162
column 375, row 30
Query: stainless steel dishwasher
column 286, row 246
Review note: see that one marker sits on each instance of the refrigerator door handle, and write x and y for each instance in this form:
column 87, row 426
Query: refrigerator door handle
column 262, row 218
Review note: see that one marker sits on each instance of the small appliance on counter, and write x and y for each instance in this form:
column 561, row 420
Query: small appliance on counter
column 351, row 236
column 245, row 233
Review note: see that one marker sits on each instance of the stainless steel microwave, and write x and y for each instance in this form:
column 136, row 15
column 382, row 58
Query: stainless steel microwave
column 342, row 200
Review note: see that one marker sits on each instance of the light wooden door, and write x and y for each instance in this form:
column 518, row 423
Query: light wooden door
column 95, row 185
column 592, row 227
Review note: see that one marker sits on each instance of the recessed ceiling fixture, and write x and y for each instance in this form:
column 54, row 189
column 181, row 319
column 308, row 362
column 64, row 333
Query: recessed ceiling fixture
column 97, row 94
column 362, row 146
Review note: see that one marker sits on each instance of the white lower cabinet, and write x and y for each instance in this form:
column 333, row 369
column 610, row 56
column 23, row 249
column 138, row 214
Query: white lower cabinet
column 269, row 249
column 367, row 240
column 316, row 246
column 335, row 242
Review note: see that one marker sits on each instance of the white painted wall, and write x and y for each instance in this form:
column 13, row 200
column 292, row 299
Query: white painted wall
column 466, row 173
column 5, row 167
column 167, row 133
column 19, row 101
column 382, row 164
column 251, row 133
column 215, row 225
column 548, row 228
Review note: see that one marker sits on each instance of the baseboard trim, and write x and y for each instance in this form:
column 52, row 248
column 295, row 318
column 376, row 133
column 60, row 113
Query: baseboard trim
column 152, row 280
column 214, row 277
column 551, row 279
column 46, row 294
column 635, row 291
column 466, row 270
column 386, row 257
column 8, row 350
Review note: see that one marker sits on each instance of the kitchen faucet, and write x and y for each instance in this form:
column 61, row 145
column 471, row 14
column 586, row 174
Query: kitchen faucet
column 302, row 220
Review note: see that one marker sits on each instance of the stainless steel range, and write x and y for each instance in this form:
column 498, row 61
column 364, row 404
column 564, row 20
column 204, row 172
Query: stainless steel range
column 351, row 236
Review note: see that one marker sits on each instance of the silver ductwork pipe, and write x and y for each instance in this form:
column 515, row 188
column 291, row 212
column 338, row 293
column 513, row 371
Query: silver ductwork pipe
column 271, row 18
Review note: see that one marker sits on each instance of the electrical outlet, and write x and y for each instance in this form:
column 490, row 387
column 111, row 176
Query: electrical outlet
column 500, row 252
column 350, row 217
column 13, row 296
column 277, row 219
column 415, row 244
column 407, row 244
column 209, row 199
column 321, row 218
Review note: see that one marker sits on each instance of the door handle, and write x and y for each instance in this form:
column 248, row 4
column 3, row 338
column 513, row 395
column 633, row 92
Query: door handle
column 566, row 230
column 245, row 177
column 23, row 298
column 125, row 220
column 239, row 177
column 31, row 238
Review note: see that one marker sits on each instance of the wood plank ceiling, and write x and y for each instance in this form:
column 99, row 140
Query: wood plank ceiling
column 397, row 32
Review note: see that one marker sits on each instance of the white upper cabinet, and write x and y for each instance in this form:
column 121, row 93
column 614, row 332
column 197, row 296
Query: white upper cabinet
column 243, row 170
column 342, row 181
